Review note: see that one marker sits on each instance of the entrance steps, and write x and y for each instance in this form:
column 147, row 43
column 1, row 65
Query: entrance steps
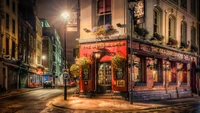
column 108, row 96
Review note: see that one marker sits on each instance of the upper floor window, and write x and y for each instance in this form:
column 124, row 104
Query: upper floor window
column 7, row 46
column 7, row 2
column 183, row 32
column 157, row 20
column 104, row 12
column 193, row 7
column 7, row 21
column 13, row 49
column 184, row 4
column 13, row 26
column 193, row 35
column 175, row 1
column 171, row 26
column 13, row 6
column 38, row 45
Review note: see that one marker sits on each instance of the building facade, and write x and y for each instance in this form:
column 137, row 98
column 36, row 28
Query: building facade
column 148, row 48
column 52, row 50
column 9, row 42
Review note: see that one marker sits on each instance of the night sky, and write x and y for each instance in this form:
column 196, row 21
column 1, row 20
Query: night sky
column 52, row 9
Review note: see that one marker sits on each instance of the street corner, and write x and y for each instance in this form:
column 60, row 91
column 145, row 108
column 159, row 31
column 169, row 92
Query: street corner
column 77, row 103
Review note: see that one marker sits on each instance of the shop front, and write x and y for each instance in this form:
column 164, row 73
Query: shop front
column 162, row 72
column 102, row 76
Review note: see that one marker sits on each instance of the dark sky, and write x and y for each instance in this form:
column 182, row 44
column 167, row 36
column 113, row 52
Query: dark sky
column 52, row 10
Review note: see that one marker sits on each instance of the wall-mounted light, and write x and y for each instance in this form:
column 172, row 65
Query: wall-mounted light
column 86, row 30
column 119, row 25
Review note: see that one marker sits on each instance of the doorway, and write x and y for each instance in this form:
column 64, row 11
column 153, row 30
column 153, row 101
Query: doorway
column 104, row 84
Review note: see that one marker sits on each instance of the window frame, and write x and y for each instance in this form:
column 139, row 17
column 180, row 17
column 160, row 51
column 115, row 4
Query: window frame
column 193, row 6
column 193, row 36
column 158, row 24
column 104, row 14
column 171, row 26
column 183, row 30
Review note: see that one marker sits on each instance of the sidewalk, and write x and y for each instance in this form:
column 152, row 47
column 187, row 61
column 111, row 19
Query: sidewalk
column 76, row 103
column 16, row 92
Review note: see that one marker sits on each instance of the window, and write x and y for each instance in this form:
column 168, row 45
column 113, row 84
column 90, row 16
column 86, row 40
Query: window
column 7, row 46
column 157, row 71
column 157, row 20
column 171, row 26
column 172, row 75
column 104, row 12
column 7, row 21
column 193, row 7
column 13, row 6
column 193, row 35
column 183, row 77
column 38, row 59
column 175, row 1
column 183, row 32
column 38, row 45
column 13, row 26
column 184, row 4
column 7, row 2
column 139, row 75
column 13, row 49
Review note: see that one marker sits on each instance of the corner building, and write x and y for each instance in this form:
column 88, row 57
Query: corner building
column 164, row 48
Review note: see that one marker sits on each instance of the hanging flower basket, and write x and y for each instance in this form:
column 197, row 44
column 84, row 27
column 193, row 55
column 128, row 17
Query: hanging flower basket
column 75, row 71
column 84, row 62
column 184, row 45
column 118, row 61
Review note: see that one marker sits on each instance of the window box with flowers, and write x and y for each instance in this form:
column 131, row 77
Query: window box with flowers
column 141, row 32
column 158, row 36
column 184, row 46
column 194, row 48
column 172, row 41
column 103, row 30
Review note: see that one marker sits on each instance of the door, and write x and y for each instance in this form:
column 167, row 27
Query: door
column 104, row 78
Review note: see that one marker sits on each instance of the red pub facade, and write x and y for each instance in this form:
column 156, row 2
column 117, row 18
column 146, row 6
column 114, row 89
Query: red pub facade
column 161, row 68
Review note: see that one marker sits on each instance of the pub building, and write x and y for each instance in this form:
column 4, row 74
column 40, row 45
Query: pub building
column 130, row 64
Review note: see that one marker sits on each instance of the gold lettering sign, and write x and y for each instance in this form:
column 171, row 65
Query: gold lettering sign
column 102, row 45
column 120, row 83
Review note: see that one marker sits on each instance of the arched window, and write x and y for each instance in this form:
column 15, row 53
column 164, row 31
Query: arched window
column 171, row 26
column 193, row 35
column 157, row 20
column 183, row 32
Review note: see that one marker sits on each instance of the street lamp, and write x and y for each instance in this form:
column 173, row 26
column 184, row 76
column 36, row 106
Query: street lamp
column 131, row 5
column 65, row 16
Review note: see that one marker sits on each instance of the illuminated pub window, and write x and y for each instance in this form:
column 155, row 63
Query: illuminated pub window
column 157, row 71
column 139, row 73
column 183, row 77
column 104, row 12
column 172, row 74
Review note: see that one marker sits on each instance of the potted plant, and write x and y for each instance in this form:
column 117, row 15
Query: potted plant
column 194, row 48
column 75, row 70
column 118, row 61
column 158, row 36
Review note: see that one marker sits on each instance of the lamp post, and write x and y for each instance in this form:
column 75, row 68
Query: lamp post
column 131, row 5
column 65, row 16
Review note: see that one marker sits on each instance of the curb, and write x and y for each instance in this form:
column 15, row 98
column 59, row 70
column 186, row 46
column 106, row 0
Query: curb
column 138, row 109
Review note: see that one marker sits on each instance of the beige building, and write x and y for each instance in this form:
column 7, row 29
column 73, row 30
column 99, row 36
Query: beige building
column 9, row 42
column 161, row 59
